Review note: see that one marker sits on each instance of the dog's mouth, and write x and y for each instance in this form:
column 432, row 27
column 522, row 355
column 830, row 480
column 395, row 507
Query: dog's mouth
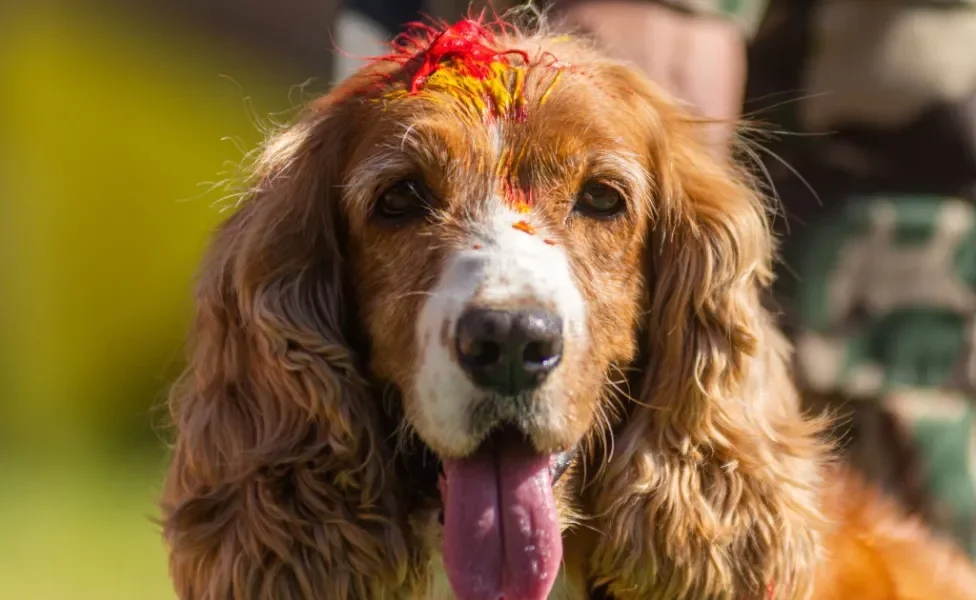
column 502, row 538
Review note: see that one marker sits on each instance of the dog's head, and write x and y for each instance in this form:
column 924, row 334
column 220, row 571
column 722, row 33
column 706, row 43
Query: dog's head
column 496, row 227
column 497, row 219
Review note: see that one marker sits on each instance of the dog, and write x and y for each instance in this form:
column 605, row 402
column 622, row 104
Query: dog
column 489, row 325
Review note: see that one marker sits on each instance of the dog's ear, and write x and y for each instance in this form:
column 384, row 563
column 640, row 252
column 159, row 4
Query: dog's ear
column 712, row 486
column 280, row 484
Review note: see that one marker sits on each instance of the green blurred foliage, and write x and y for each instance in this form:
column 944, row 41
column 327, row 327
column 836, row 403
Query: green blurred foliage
column 113, row 127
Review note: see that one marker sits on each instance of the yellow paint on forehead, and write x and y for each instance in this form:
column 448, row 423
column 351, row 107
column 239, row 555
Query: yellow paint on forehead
column 501, row 94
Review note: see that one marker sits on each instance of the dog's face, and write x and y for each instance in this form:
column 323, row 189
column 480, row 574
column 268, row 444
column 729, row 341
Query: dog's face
column 497, row 253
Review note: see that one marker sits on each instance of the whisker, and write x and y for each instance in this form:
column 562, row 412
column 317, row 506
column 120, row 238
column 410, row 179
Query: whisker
column 787, row 102
column 747, row 148
column 792, row 170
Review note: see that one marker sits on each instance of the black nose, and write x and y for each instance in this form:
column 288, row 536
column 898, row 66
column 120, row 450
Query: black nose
column 509, row 351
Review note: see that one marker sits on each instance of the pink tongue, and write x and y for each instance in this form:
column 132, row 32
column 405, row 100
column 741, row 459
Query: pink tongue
column 501, row 529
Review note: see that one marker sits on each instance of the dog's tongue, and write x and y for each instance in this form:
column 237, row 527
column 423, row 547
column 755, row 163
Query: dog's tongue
column 501, row 529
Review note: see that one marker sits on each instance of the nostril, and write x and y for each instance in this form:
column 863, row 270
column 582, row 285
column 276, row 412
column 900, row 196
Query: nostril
column 482, row 337
column 480, row 352
column 540, row 343
column 541, row 353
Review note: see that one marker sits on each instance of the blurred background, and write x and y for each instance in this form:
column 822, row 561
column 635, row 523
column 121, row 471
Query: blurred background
column 118, row 121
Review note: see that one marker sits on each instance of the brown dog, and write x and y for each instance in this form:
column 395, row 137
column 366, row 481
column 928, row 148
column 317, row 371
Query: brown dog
column 509, row 257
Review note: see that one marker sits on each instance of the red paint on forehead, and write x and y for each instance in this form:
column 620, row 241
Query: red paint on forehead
column 468, row 44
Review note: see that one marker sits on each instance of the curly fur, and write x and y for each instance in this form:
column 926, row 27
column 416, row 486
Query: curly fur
column 718, row 420
column 279, row 486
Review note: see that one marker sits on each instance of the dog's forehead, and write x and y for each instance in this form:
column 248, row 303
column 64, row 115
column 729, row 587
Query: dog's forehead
column 470, row 62
column 466, row 96
column 481, row 81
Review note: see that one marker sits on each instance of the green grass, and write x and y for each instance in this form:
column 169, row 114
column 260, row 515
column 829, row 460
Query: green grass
column 81, row 532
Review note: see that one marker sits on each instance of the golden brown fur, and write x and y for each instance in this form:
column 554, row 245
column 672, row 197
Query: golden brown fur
column 701, row 478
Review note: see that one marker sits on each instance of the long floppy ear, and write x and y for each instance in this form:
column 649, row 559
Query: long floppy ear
column 280, row 485
column 712, row 489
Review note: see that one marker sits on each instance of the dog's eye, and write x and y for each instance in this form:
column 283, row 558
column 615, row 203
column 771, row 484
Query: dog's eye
column 404, row 200
column 599, row 200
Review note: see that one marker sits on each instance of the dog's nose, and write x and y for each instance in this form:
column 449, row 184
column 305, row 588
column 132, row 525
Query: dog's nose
column 509, row 351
